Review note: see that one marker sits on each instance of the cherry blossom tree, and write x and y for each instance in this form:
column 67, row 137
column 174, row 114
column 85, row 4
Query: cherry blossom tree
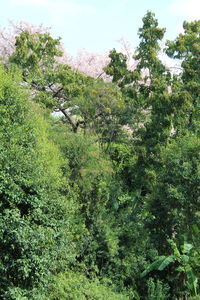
column 8, row 36
column 88, row 63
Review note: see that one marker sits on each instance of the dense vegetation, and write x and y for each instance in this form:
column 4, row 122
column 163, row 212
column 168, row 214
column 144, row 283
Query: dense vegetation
column 100, row 181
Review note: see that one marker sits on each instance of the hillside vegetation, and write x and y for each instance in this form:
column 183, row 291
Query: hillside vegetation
column 100, row 180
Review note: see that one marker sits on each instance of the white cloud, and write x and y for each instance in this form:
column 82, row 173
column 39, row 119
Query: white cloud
column 187, row 9
column 30, row 2
column 59, row 12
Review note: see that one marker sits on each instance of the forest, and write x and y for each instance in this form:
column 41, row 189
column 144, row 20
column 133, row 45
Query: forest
column 100, row 175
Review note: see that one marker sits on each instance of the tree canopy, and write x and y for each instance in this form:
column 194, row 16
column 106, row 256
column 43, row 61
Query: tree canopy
column 99, row 179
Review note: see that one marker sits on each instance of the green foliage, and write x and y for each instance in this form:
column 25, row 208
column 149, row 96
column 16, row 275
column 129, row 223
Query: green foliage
column 35, row 51
column 76, row 286
column 185, row 262
column 53, row 85
column 103, row 201
column 187, row 48
column 174, row 202
column 147, row 52
column 157, row 290
column 91, row 176
column 34, row 213
column 118, row 69
column 99, row 109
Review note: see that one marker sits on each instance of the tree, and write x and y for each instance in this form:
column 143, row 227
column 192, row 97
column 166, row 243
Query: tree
column 149, row 93
column 103, row 197
column 8, row 37
column 187, row 48
column 52, row 84
column 176, row 194
column 35, row 233
column 99, row 108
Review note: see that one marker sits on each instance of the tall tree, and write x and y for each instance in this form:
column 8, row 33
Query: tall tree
column 186, row 47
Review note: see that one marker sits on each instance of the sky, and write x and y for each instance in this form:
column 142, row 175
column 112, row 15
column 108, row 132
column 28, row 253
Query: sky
column 97, row 25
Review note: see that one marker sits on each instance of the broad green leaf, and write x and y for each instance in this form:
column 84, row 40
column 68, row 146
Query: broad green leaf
column 168, row 260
